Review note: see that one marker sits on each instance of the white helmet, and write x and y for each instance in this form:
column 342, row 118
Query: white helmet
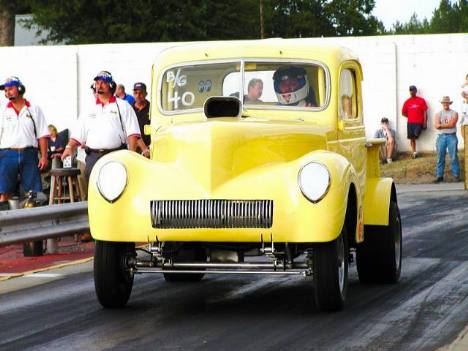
column 291, row 85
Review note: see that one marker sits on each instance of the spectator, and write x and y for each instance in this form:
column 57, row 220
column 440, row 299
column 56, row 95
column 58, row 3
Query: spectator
column 93, row 90
column 109, row 125
column 121, row 94
column 415, row 109
column 465, row 86
column 388, row 150
column 254, row 91
column 55, row 145
column 23, row 129
column 464, row 107
column 142, row 110
column 446, row 123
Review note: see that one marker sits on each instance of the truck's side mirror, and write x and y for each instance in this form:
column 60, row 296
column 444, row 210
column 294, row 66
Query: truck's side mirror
column 147, row 129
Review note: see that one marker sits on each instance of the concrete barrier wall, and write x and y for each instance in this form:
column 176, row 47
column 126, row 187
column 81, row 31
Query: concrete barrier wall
column 58, row 78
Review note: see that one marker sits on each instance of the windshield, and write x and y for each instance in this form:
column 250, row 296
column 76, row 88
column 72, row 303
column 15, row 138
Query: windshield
column 264, row 85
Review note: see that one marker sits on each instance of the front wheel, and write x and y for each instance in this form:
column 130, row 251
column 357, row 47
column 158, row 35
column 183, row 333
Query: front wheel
column 330, row 272
column 378, row 258
column 113, row 282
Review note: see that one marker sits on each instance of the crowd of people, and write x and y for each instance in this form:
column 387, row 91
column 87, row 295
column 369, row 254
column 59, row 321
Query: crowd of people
column 445, row 122
column 28, row 146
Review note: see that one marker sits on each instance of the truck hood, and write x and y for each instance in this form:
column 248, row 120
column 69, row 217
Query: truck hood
column 215, row 152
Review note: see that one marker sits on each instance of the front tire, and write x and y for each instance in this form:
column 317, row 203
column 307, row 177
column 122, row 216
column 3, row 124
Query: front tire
column 112, row 281
column 330, row 273
column 378, row 258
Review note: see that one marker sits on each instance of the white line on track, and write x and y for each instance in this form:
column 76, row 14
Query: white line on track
column 43, row 275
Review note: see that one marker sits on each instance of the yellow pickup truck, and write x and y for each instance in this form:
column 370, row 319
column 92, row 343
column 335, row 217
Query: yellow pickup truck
column 259, row 165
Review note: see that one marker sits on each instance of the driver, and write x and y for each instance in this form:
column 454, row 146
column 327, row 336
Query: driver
column 292, row 87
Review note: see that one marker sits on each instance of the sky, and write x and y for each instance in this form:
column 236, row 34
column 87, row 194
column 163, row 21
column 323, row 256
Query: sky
column 390, row 11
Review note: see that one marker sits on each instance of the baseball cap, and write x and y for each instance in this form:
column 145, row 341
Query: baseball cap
column 104, row 76
column 384, row 120
column 139, row 86
column 10, row 82
column 413, row 87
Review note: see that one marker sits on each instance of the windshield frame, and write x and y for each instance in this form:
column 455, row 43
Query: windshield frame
column 242, row 62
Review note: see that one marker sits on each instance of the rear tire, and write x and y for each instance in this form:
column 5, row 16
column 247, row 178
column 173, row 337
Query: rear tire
column 112, row 281
column 378, row 258
column 186, row 255
column 330, row 273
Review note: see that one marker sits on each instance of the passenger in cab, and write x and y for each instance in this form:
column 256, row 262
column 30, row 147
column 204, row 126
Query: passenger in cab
column 254, row 91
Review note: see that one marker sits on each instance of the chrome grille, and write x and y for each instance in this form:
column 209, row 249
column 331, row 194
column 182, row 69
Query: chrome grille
column 212, row 213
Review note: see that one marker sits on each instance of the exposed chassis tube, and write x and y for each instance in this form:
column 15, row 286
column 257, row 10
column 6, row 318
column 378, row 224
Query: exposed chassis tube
column 222, row 268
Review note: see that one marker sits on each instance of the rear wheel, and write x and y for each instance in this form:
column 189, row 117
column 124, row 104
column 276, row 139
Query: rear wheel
column 113, row 282
column 378, row 258
column 186, row 255
column 330, row 272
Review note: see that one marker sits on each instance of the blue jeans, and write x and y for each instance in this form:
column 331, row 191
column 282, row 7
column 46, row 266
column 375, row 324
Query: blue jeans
column 22, row 163
column 447, row 142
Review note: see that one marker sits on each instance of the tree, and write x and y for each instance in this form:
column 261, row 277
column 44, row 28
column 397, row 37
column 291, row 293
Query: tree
column 145, row 20
column 413, row 26
column 173, row 20
column 297, row 18
column 312, row 18
column 447, row 18
column 352, row 17
column 8, row 10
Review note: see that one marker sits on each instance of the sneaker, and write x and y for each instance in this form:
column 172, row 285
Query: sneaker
column 389, row 160
column 415, row 154
column 457, row 178
column 439, row 179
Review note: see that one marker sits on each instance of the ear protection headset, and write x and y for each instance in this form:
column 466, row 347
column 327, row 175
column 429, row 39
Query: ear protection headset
column 21, row 89
column 113, row 87
column 15, row 81
column 108, row 76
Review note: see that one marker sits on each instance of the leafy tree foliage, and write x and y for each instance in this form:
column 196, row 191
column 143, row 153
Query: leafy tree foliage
column 88, row 21
column 447, row 18
column 98, row 21
column 353, row 17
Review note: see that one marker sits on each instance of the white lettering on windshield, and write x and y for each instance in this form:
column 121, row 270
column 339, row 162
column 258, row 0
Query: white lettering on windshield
column 187, row 99
column 177, row 79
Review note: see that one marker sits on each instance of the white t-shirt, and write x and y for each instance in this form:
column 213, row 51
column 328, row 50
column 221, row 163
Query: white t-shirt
column 102, row 128
column 17, row 127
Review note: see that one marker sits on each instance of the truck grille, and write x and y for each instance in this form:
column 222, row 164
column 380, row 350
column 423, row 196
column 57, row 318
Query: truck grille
column 212, row 213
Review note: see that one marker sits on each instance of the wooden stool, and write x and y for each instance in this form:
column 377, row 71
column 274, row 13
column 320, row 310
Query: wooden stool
column 60, row 180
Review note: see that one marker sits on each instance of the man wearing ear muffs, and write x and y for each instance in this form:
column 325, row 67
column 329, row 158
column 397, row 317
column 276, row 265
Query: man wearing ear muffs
column 109, row 125
column 23, row 129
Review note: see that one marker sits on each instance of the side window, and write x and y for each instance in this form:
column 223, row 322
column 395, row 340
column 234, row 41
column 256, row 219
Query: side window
column 347, row 95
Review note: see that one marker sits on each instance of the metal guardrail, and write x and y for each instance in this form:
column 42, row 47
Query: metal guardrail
column 30, row 224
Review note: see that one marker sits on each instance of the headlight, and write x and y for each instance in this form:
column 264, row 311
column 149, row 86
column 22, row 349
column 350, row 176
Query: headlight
column 314, row 181
column 112, row 180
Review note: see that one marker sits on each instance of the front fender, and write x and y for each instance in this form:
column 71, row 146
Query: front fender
column 377, row 197
column 331, row 210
